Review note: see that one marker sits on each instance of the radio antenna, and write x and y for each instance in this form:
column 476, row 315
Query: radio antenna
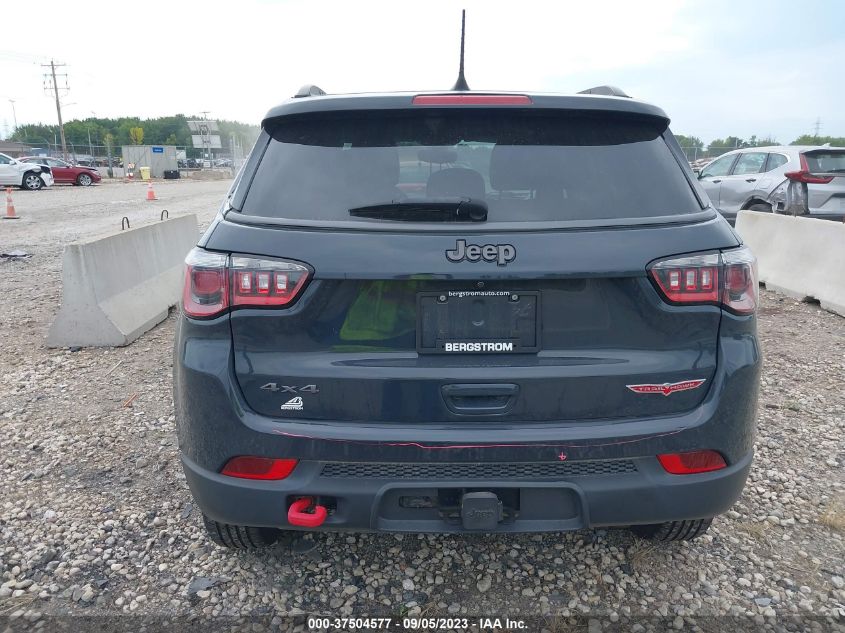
column 461, row 83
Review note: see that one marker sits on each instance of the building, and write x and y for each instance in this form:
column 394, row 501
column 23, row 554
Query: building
column 15, row 149
column 159, row 158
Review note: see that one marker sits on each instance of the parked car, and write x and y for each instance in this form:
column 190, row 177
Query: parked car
column 16, row 173
column 758, row 178
column 65, row 173
column 514, row 347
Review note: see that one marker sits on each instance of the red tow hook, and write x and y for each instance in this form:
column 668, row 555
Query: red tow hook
column 297, row 514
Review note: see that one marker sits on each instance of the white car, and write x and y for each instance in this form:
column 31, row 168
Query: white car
column 14, row 173
column 799, row 179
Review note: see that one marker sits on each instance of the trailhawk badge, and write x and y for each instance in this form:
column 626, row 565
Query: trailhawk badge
column 294, row 404
column 668, row 388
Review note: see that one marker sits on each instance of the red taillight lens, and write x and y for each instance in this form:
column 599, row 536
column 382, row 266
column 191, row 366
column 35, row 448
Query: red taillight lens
column 265, row 468
column 470, row 99
column 740, row 290
column 729, row 279
column 692, row 279
column 206, row 291
column 804, row 175
column 266, row 282
column 214, row 282
column 692, row 462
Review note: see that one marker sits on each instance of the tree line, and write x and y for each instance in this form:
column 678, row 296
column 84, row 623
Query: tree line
column 721, row 145
column 168, row 130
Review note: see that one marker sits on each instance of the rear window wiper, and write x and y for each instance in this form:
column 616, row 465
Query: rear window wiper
column 432, row 210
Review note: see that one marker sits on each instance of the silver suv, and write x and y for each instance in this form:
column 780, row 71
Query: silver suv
column 795, row 179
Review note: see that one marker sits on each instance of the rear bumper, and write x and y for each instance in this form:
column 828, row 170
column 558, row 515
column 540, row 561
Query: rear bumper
column 585, row 498
column 214, row 423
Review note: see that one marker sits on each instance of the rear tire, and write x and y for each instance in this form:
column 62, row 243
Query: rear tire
column 240, row 536
column 761, row 206
column 672, row 530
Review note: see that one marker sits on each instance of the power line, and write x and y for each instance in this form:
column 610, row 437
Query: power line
column 51, row 83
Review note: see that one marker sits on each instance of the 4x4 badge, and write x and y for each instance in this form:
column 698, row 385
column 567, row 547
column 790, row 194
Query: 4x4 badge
column 668, row 388
column 502, row 254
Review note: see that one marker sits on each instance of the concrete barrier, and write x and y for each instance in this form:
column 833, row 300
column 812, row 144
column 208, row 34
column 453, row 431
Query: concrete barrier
column 116, row 287
column 801, row 257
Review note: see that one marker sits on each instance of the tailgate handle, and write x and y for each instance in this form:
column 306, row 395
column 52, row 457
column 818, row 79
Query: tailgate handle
column 480, row 399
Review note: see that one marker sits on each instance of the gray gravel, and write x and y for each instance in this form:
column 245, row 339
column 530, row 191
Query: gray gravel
column 95, row 516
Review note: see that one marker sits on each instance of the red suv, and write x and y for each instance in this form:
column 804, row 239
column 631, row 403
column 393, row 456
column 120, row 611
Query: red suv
column 65, row 173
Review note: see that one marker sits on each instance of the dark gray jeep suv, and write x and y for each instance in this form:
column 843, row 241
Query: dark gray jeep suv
column 465, row 311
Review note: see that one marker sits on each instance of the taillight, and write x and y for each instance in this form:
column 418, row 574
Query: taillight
column 214, row 282
column 693, row 279
column 472, row 99
column 691, row 462
column 740, row 289
column 265, row 282
column 728, row 279
column 804, row 175
column 265, row 468
column 206, row 290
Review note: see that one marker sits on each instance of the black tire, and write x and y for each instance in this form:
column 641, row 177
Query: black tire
column 84, row 180
column 239, row 536
column 31, row 181
column 761, row 206
column 673, row 530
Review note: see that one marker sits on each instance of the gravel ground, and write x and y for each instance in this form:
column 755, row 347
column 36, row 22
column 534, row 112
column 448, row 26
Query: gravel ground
column 95, row 516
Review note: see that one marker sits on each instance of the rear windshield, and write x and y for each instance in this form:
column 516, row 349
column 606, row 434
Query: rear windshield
column 536, row 167
column 826, row 162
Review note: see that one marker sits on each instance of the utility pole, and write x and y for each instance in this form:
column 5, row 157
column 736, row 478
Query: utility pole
column 55, row 88
column 817, row 127
column 90, row 147
column 206, row 139
column 14, row 115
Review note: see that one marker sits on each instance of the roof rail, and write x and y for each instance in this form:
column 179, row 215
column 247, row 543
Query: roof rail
column 611, row 91
column 309, row 90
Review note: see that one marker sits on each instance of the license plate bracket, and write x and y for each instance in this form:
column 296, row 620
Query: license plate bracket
column 478, row 322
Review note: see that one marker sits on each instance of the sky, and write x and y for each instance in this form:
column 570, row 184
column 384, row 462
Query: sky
column 768, row 68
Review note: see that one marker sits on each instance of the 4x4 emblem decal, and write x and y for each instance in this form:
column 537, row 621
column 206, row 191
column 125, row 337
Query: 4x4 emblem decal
column 668, row 388
column 502, row 254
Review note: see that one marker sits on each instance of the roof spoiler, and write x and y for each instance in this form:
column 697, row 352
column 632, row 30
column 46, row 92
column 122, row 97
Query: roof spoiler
column 611, row 91
column 309, row 90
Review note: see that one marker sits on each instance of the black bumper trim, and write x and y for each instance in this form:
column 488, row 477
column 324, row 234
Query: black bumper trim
column 484, row 470
column 649, row 495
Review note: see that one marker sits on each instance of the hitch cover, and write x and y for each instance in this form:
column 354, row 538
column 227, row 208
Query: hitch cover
column 481, row 511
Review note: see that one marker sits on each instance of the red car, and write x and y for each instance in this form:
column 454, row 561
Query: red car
column 65, row 172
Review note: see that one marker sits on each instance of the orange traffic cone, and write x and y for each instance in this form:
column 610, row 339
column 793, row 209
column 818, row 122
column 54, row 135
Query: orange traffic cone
column 151, row 195
column 10, row 207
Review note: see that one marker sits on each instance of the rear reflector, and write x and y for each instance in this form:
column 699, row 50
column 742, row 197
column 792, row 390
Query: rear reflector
column 691, row 463
column 214, row 282
column 469, row 99
column 728, row 279
column 264, row 468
